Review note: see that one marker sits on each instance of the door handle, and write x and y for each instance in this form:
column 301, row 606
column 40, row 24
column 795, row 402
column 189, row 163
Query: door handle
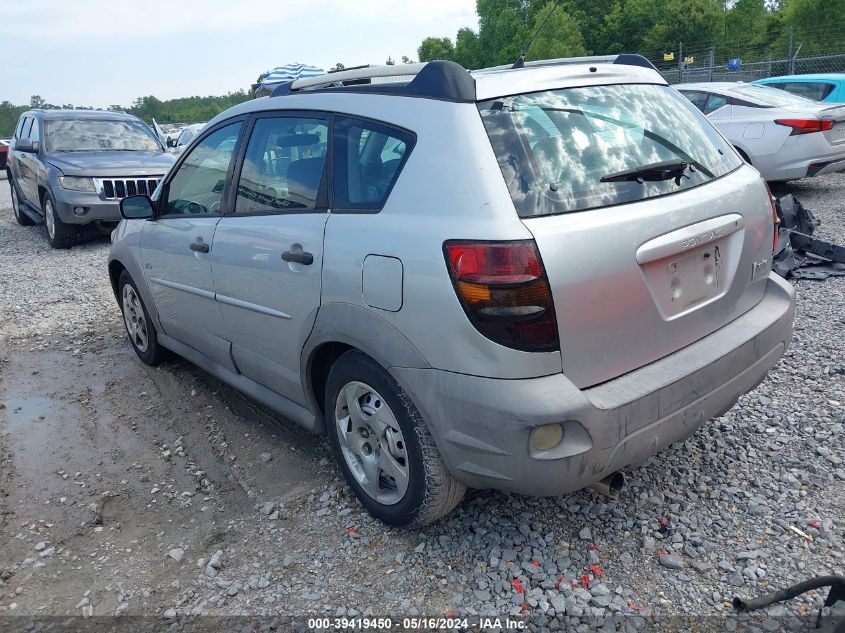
column 300, row 258
column 199, row 247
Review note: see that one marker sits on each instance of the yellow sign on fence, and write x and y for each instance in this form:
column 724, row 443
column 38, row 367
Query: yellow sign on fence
column 668, row 57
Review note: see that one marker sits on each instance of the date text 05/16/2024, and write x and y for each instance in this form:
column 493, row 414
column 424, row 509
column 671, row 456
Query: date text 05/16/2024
column 416, row 623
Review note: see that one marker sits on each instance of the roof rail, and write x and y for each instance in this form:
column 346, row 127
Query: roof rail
column 628, row 59
column 442, row 80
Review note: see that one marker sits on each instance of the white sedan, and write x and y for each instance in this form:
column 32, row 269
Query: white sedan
column 784, row 136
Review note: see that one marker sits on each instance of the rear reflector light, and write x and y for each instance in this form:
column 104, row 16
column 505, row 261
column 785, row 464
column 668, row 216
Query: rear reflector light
column 775, row 219
column 504, row 291
column 805, row 126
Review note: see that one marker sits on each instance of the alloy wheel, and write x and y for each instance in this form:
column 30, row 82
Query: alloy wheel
column 49, row 218
column 15, row 203
column 371, row 442
column 133, row 316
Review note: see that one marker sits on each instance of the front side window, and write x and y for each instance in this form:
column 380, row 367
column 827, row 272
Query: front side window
column 714, row 102
column 698, row 99
column 185, row 137
column 197, row 186
column 569, row 150
column 35, row 130
column 368, row 157
column 27, row 126
column 68, row 135
column 283, row 165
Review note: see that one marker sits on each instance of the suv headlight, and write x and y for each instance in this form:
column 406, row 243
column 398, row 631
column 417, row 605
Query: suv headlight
column 75, row 183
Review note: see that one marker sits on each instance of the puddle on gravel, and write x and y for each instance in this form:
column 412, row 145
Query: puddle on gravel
column 22, row 410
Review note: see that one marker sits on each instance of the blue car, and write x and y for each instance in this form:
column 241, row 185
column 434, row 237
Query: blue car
column 827, row 87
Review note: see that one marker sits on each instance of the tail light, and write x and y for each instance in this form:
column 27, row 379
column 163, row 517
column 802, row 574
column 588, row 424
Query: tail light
column 775, row 219
column 805, row 126
column 504, row 291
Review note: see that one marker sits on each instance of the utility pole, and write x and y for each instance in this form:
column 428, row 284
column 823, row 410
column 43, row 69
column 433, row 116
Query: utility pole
column 680, row 62
column 712, row 61
column 789, row 52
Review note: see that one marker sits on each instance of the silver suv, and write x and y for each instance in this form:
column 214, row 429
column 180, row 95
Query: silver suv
column 522, row 279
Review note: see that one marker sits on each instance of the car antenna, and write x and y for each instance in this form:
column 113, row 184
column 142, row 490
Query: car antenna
column 520, row 61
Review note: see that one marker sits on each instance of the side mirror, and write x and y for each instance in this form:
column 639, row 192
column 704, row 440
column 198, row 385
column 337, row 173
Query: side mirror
column 26, row 145
column 136, row 208
column 171, row 142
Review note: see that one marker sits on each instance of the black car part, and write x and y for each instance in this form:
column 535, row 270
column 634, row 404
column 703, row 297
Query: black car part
column 834, row 622
column 798, row 253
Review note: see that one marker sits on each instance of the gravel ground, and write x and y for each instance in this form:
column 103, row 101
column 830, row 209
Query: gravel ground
column 174, row 495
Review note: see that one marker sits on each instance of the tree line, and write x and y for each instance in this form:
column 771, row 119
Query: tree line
column 183, row 110
column 541, row 30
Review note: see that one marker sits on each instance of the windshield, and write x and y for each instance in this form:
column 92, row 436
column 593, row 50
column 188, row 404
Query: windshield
column 554, row 147
column 771, row 96
column 68, row 135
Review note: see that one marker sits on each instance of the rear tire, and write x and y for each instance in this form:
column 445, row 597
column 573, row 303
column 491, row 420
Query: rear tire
column 140, row 329
column 22, row 218
column 383, row 446
column 59, row 234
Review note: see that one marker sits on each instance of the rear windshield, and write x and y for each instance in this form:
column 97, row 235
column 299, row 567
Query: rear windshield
column 769, row 96
column 555, row 146
column 67, row 135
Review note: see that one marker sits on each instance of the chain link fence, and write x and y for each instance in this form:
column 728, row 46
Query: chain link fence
column 749, row 71
column 701, row 62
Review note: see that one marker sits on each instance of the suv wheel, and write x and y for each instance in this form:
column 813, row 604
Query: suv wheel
column 59, row 234
column 141, row 331
column 383, row 446
column 22, row 218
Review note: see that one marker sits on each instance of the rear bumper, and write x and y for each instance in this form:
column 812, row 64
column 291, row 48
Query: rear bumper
column 825, row 167
column 800, row 157
column 482, row 426
column 92, row 208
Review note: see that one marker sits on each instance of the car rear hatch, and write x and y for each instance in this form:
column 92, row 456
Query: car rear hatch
column 642, row 263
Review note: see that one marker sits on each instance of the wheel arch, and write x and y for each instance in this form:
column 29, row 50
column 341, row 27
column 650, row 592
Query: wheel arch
column 342, row 327
column 743, row 154
column 116, row 267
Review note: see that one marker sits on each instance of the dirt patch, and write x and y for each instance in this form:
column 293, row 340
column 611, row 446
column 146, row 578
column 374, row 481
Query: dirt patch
column 108, row 465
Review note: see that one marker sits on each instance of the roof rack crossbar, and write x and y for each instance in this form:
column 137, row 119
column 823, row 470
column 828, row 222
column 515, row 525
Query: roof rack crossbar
column 442, row 80
column 394, row 70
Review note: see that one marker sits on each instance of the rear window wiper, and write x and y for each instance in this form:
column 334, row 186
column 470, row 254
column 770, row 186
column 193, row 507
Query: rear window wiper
column 664, row 170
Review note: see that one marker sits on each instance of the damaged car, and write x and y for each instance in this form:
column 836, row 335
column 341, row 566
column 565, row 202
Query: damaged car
column 525, row 279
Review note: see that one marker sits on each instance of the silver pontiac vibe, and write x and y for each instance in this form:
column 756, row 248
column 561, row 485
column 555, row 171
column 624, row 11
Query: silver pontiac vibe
column 522, row 279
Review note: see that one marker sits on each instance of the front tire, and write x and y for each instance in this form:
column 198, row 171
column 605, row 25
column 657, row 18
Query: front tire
column 140, row 329
column 59, row 234
column 22, row 218
column 383, row 446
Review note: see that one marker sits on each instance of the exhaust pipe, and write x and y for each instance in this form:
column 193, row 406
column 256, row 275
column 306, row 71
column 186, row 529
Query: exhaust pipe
column 611, row 485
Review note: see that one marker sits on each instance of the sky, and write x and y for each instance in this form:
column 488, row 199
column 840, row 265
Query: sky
column 103, row 52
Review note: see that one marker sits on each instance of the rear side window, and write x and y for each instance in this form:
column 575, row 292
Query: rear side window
column 817, row 91
column 367, row 160
column 283, row 165
column 554, row 147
